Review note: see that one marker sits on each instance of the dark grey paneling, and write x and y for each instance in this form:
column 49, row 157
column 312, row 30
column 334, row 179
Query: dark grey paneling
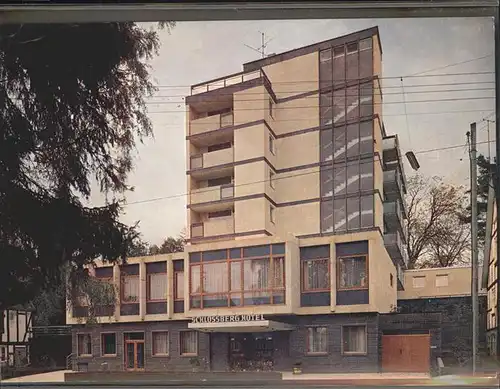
column 104, row 272
column 80, row 311
column 315, row 252
column 179, row 265
column 334, row 362
column 352, row 297
column 219, row 344
column 156, row 267
column 129, row 309
column 156, row 307
column 173, row 362
column 105, row 310
column 131, row 270
column 315, row 299
column 351, row 248
column 179, row 306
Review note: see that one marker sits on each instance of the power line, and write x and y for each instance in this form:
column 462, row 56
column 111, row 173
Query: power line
column 453, row 64
column 291, row 176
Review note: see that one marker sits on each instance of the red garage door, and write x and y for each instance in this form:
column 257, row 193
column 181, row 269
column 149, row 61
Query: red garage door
column 406, row 353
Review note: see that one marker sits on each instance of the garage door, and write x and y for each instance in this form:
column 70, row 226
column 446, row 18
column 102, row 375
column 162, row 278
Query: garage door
column 406, row 353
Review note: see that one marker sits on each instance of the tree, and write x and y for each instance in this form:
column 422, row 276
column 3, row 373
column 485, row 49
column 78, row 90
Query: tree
column 437, row 236
column 170, row 245
column 72, row 106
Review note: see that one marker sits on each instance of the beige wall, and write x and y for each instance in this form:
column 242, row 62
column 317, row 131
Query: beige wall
column 459, row 283
column 302, row 219
column 250, row 215
column 381, row 267
column 298, row 150
column 250, row 178
column 298, row 185
column 249, row 105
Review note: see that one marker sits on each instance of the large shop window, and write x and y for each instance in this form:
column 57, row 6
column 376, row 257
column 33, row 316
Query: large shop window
column 317, row 340
column 189, row 343
column 108, row 344
column 160, row 343
column 238, row 277
column 353, row 273
column 84, row 342
column 354, row 339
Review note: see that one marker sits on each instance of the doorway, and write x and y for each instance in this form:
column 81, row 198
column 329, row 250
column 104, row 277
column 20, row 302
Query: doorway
column 251, row 352
column 134, row 351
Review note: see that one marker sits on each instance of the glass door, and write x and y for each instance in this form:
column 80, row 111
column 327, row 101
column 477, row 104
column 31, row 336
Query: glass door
column 134, row 351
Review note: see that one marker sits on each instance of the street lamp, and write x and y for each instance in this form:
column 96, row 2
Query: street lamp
column 412, row 159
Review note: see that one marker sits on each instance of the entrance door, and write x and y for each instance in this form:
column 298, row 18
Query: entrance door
column 134, row 351
column 406, row 353
column 251, row 352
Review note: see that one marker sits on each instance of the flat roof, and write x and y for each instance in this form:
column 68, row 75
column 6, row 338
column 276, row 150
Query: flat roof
column 361, row 34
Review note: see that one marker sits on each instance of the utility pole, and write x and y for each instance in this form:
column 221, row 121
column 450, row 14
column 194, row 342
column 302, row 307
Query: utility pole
column 496, row 181
column 474, row 252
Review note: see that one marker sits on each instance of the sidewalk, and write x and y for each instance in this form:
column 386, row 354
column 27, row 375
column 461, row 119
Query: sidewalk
column 287, row 379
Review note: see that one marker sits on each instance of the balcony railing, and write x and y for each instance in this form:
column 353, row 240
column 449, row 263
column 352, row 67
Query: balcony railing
column 214, row 158
column 212, row 193
column 395, row 247
column 211, row 123
column 213, row 227
column 226, row 81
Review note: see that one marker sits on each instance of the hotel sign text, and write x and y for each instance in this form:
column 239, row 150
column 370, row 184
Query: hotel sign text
column 228, row 318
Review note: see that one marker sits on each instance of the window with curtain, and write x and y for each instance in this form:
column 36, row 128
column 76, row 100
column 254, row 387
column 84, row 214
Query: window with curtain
column 157, row 286
column 84, row 344
column 354, row 339
column 315, row 275
column 353, row 273
column 130, row 291
column 215, row 278
column 189, row 343
column 160, row 343
column 317, row 340
column 195, row 279
column 179, row 285
column 256, row 274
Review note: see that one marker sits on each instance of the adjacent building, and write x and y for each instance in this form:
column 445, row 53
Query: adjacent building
column 297, row 232
column 15, row 337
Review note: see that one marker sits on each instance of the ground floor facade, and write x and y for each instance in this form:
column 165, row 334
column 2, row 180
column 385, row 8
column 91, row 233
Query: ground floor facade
column 315, row 343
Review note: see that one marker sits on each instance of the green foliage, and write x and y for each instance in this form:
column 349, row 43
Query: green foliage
column 72, row 102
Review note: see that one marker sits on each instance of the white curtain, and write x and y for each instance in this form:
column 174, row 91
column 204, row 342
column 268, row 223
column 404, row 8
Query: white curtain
column 158, row 286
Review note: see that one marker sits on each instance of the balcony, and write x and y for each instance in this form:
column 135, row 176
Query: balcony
column 401, row 278
column 211, row 123
column 396, row 248
column 394, row 216
column 223, row 82
column 209, row 199
column 213, row 228
column 394, row 187
column 211, row 161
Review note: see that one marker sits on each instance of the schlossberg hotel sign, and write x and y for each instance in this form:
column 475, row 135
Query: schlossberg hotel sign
column 227, row 318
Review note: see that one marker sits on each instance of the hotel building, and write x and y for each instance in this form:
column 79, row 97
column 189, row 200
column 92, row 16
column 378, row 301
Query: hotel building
column 297, row 230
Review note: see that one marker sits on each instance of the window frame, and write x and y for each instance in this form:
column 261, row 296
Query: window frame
column 189, row 355
column 308, row 344
column 353, row 353
column 304, row 263
column 102, row 334
column 272, row 213
column 442, row 276
column 78, row 334
column 148, row 288
column 159, row 355
column 271, row 178
column 272, row 145
column 420, row 278
column 339, row 274
column 176, row 296
column 391, row 280
column 240, row 292
column 220, row 214
column 271, row 107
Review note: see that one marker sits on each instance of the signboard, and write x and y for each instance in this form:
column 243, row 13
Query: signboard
column 228, row 318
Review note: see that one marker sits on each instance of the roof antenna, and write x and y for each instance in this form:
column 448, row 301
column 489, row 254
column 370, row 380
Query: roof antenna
column 262, row 48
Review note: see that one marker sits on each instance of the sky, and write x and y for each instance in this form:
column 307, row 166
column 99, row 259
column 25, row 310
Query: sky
column 437, row 78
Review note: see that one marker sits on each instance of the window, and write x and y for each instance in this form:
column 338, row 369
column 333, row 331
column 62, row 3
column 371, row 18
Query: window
column 157, row 287
column 419, row 282
column 220, row 181
column 160, row 343
column 353, row 273
column 179, row 285
column 316, row 275
column 3, row 354
column 130, row 289
column 271, row 107
column 84, row 344
column 189, row 343
column 272, row 216
column 441, row 280
column 317, row 340
column 354, row 339
column 220, row 146
column 108, row 344
column 271, row 178
column 245, row 276
column 271, row 144
column 226, row 213
column 391, row 280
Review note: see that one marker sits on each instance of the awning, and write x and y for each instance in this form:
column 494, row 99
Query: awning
column 250, row 326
